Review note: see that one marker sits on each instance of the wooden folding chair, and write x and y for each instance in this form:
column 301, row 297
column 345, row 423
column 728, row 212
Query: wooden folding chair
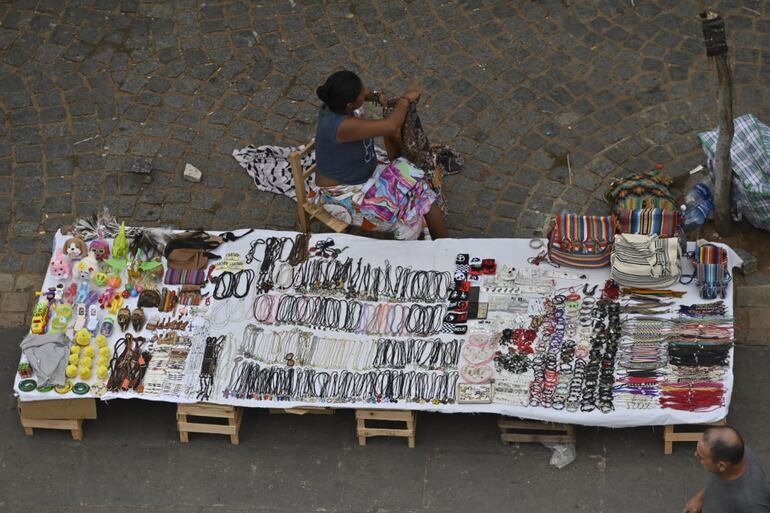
column 307, row 211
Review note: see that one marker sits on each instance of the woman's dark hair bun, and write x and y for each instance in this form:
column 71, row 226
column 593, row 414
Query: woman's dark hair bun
column 323, row 92
column 341, row 88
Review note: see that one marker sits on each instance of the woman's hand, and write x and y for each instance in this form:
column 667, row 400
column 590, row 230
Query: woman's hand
column 412, row 94
column 377, row 97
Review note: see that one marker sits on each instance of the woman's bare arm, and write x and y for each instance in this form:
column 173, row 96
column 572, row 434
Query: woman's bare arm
column 356, row 129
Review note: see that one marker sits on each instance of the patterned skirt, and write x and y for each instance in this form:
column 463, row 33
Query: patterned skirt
column 394, row 199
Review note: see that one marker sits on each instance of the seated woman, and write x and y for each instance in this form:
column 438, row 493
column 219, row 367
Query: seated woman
column 383, row 196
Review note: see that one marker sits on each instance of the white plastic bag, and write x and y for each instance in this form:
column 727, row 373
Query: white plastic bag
column 562, row 455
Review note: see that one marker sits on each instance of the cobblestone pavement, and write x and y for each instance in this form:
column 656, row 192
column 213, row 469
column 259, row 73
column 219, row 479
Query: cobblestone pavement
column 522, row 88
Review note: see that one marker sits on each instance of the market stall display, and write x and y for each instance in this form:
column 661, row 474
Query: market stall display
column 257, row 318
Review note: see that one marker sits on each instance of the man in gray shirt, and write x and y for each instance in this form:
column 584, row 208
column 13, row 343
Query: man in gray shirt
column 739, row 484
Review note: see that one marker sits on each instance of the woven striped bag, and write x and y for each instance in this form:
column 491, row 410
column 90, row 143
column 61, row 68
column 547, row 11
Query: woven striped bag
column 581, row 241
column 650, row 221
column 711, row 273
column 646, row 261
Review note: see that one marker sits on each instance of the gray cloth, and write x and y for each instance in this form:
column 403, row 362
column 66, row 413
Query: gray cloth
column 747, row 494
column 47, row 354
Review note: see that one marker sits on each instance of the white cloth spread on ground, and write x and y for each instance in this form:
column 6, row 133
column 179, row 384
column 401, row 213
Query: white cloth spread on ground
column 270, row 168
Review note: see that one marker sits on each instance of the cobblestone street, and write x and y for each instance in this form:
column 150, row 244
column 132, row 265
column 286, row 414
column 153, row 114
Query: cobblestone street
column 90, row 89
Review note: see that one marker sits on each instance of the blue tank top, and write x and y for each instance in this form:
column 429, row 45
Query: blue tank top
column 349, row 163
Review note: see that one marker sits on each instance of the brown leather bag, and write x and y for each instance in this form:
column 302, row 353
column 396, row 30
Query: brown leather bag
column 192, row 250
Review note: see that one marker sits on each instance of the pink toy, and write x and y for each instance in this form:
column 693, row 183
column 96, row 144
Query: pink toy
column 100, row 248
column 59, row 266
column 106, row 297
column 70, row 293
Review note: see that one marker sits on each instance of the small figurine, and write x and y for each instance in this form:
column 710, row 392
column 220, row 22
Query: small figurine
column 106, row 297
column 124, row 318
column 116, row 304
column 137, row 319
column 152, row 270
column 100, row 279
column 87, row 267
column 75, row 248
column 120, row 244
column 40, row 316
column 134, row 273
column 70, row 293
column 84, row 290
column 60, row 267
column 62, row 319
column 100, row 247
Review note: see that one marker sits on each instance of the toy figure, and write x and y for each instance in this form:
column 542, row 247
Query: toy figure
column 100, row 247
column 152, row 270
column 75, row 248
column 106, row 297
column 100, row 279
column 87, row 267
column 84, row 290
column 40, row 316
column 134, row 273
column 69, row 293
column 62, row 319
column 60, row 267
column 120, row 244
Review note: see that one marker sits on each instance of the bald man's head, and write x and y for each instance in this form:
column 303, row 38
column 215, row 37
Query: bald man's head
column 724, row 444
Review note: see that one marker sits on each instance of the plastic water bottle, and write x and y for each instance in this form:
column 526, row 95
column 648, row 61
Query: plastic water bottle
column 698, row 206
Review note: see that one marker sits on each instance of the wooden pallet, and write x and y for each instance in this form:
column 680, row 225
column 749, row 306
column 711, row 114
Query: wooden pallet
column 233, row 414
column 671, row 435
column 408, row 417
column 65, row 414
column 533, row 431
column 305, row 410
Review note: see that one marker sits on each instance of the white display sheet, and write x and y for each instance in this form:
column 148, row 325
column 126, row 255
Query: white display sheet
column 425, row 255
